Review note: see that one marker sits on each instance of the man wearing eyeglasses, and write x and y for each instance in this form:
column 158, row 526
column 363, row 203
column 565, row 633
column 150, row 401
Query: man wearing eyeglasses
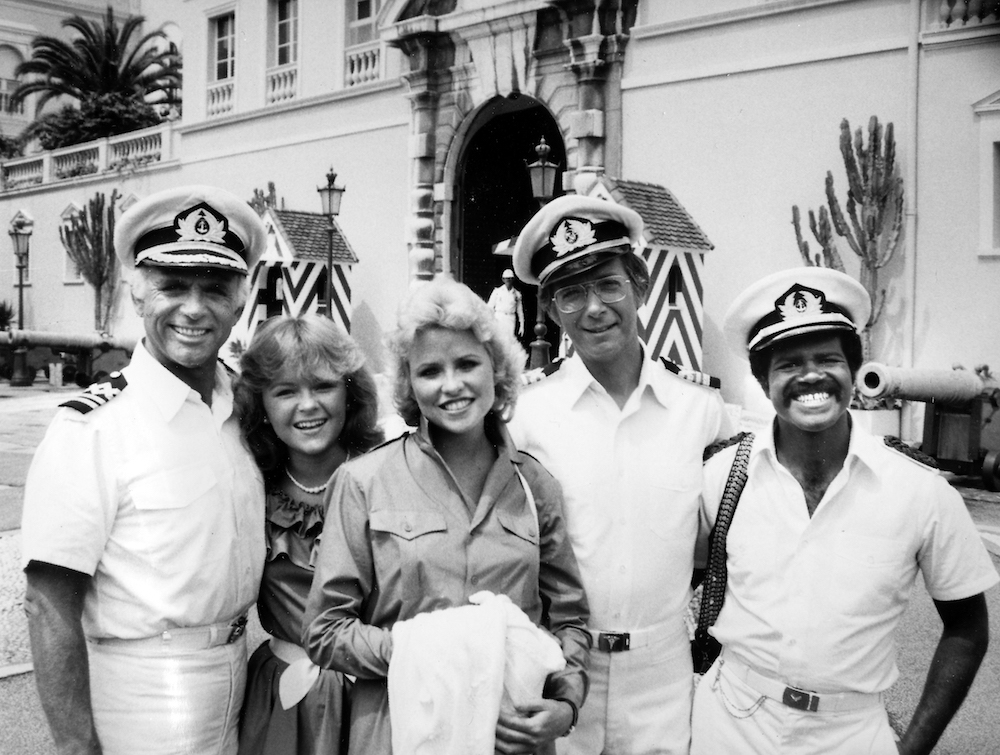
column 624, row 435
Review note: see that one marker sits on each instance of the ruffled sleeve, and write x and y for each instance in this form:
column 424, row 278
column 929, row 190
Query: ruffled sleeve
column 294, row 529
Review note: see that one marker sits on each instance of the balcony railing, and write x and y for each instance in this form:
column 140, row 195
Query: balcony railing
column 282, row 83
column 363, row 64
column 117, row 153
column 956, row 14
column 220, row 98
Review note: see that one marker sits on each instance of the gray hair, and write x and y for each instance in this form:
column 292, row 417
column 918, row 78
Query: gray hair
column 138, row 281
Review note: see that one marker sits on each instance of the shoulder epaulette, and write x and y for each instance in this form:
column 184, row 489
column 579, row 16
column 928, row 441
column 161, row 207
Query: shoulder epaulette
column 917, row 455
column 98, row 394
column 713, row 448
column 698, row 378
column 529, row 377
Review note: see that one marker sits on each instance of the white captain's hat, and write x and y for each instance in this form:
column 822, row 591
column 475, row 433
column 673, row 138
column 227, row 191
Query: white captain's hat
column 191, row 227
column 795, row 302
column 571, row 234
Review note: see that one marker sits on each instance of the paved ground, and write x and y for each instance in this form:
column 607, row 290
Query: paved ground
column 24, row 414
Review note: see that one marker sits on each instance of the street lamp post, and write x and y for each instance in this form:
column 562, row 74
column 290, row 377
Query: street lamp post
column 543, row 186
column 330, row 196
column 21, row 227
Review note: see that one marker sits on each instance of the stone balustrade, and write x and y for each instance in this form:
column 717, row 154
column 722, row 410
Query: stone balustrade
column 363, row 63
column 282, row 83
column 957, row 14
column 117, row 153
column 220, row 99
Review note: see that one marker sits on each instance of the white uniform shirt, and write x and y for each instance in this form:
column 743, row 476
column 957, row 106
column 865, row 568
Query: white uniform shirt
column 631, row 480
column 815, row 601
column 506, row 305
column 155, row 495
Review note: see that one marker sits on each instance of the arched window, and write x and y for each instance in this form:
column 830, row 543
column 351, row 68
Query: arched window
column 10, row 59
column 675, row 285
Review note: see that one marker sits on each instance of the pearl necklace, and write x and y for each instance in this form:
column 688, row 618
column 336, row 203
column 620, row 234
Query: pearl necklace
column 303, row 488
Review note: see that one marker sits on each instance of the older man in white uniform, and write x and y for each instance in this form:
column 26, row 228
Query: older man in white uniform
column 828, row 537
column 624, row 436
column 143, row 537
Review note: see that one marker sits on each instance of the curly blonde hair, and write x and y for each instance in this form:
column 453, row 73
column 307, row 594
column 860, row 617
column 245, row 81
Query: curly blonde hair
column 446, row 303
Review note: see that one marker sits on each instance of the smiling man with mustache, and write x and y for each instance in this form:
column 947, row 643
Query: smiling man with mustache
column 830, row 532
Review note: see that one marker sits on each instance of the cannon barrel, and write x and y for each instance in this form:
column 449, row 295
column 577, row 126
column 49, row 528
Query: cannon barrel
column 66, row 342
column 949, row 387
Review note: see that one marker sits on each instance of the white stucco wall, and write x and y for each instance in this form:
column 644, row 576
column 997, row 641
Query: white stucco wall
column 741, row 121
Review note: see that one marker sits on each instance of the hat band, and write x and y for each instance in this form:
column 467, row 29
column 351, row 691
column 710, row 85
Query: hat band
column 546, row 262
column 192, row 254
column 168, row 236
column 786, row 329
column 606, row 234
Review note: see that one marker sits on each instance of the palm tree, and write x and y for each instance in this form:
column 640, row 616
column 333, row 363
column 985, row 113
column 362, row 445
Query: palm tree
column 102, row 60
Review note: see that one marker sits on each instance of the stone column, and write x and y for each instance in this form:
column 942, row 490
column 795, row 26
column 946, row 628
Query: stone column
column 430, row 55
column 596, row 61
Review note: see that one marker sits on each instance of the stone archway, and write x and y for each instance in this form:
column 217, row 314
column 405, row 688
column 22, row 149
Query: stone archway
column 493, row 192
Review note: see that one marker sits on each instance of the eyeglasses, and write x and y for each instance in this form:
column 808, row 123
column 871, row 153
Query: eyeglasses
column 570, row 299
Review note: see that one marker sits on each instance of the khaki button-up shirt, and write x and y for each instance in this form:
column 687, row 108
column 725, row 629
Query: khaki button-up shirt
column 401, row 539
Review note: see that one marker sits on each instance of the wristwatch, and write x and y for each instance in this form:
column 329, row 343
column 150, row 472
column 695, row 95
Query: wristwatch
column 576, row 715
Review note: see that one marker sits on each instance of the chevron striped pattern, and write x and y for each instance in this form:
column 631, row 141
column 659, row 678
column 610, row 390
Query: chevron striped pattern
column 669, row 330
column 293, row 289
column 670, row 322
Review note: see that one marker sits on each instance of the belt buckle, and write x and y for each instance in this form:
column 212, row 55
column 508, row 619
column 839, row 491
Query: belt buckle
column 613, row 642
column 238, row 628
column 800, row 699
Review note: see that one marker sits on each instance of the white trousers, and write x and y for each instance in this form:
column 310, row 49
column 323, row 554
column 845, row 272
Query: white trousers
column 167, row 703
column 639, row 703
column 731, row 717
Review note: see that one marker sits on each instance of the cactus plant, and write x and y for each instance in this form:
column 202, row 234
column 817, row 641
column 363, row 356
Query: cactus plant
column 6, row 315
column 873, row 224
column 88, row 237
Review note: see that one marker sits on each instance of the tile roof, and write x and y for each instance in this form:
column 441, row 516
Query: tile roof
column 306, row 233
column 667, row 222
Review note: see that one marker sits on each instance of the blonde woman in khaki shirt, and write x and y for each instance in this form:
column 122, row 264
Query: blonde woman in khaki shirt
column 425, row 521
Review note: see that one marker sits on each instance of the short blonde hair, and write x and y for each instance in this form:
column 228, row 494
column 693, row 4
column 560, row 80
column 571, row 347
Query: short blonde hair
column 446, row 303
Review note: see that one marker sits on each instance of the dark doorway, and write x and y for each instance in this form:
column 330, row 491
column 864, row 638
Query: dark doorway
column 494, row 195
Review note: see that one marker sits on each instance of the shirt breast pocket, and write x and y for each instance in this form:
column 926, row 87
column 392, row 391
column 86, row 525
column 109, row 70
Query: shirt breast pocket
column 672, row 505
column 869, row 574
column 406, row 546
column 176, row 488
column 519, row 527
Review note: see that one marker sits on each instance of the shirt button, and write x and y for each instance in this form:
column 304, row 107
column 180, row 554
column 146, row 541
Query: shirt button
column 475, row 580
column 407, row 527
column 621, row 569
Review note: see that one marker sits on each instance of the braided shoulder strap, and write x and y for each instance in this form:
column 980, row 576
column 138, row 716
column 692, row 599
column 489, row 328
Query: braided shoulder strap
column 714, row 586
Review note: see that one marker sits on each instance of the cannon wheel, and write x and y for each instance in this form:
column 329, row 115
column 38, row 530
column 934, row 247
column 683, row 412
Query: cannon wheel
column 991, row 471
